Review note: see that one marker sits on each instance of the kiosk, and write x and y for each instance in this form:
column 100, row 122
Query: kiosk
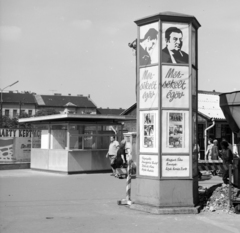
column 167, row 78
column 72, row 143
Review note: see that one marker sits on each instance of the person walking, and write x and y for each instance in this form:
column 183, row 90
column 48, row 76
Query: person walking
column 120, row 159
column 227, row 157
column 208, row 154
column 215, row 151
column 112, row 152
column 215, row 154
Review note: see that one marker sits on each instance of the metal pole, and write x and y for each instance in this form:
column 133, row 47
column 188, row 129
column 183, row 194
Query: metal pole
column 230, row 186
column 205, row 134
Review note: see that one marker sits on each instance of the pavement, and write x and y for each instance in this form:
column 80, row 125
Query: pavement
column 34, row 202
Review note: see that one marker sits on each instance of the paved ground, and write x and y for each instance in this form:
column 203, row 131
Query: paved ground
column 32, row 202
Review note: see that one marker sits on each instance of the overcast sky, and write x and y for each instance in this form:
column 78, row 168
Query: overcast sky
column 81, row 46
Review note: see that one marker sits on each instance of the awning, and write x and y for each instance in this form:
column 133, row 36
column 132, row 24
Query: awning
column 230, row 105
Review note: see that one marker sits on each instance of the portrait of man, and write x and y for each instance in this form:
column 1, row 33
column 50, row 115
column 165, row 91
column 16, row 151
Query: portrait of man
column 146, row 46
column 173, row 53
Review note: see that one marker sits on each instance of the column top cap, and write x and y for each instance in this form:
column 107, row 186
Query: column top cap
column 169, row 16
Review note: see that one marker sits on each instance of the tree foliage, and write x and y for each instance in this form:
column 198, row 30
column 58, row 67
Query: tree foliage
column 8, row 122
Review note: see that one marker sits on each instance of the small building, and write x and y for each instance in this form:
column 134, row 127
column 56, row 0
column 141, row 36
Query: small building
column 14, row 104
column 73, row 143
column 66, row 103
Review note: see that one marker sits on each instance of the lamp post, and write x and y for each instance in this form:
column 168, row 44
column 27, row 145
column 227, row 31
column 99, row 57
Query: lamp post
column 2, row 99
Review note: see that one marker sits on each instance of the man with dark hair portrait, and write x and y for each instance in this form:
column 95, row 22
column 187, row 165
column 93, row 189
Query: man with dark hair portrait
column 146, row 46
column 172, row 53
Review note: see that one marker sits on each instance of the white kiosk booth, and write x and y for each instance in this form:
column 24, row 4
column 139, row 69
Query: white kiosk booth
column 72, row 143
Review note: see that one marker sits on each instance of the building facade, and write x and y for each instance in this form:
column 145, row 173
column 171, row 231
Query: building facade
column 15, row 104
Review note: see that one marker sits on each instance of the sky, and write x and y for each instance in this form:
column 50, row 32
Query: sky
column 81, row 46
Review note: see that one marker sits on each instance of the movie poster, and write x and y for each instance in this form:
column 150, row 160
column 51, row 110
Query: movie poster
column 175, row 86
column 175, row 130
column 175, row 43
column 148, row 87
column 148, row 131
column 175, row 137
column 148, row 44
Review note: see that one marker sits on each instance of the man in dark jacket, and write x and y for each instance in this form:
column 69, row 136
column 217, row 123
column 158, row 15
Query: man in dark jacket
column 172, row 53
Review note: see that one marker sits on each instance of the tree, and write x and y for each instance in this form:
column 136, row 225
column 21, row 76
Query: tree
column 46, row 112
column 24, row 125
column 11, row 123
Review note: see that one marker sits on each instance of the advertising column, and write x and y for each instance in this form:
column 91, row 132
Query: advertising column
column 167, row 114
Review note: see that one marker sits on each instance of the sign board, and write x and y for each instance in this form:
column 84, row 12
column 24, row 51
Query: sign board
column 175, row 166
column 148, row 165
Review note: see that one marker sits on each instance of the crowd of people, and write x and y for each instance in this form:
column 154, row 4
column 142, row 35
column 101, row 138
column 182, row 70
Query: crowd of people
column 118, row 155
column 223, row 153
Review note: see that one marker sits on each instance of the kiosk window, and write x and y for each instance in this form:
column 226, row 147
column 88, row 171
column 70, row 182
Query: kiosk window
column 40, row 137
column 58, row 137
column 89, row 137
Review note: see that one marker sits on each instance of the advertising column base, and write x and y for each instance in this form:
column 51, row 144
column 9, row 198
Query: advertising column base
column 166, row 196
column 165, row 210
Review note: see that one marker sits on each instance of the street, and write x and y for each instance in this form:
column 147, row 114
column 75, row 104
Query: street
column 34, row 201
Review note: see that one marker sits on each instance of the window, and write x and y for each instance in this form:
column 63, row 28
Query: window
column 14, row 113
column 30, row 112
column 90, row 137
column 7, row 112
column 58, row 137
column 40, row 136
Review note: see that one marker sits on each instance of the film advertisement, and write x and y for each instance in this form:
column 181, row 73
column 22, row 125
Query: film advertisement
column 175, row 87
column 148, row 165
column 175, row 43
column 175, row 130
column 175, row 166
column 148, row 87
column 176, row 136
column 148, row 44
column 148, row 131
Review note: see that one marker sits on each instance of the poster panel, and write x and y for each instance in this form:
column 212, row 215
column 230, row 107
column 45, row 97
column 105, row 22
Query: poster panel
column 148, row 44
column 175, row 133
column 6, row 149
column 148, row 165
column 148, row 87
column 175, row 43
column 175, row 87
column 175, row 166
column 149, row 131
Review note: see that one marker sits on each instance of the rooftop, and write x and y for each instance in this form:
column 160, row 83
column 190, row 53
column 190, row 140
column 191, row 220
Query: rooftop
column 60, row 100
column 75, row 117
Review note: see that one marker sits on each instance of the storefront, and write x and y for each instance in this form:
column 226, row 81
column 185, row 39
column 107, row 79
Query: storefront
column 72, row 143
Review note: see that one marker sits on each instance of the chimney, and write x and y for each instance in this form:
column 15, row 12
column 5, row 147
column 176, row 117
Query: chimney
column 80, row 95
column 88, row 96
column 57, row 94
column 69, row 94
